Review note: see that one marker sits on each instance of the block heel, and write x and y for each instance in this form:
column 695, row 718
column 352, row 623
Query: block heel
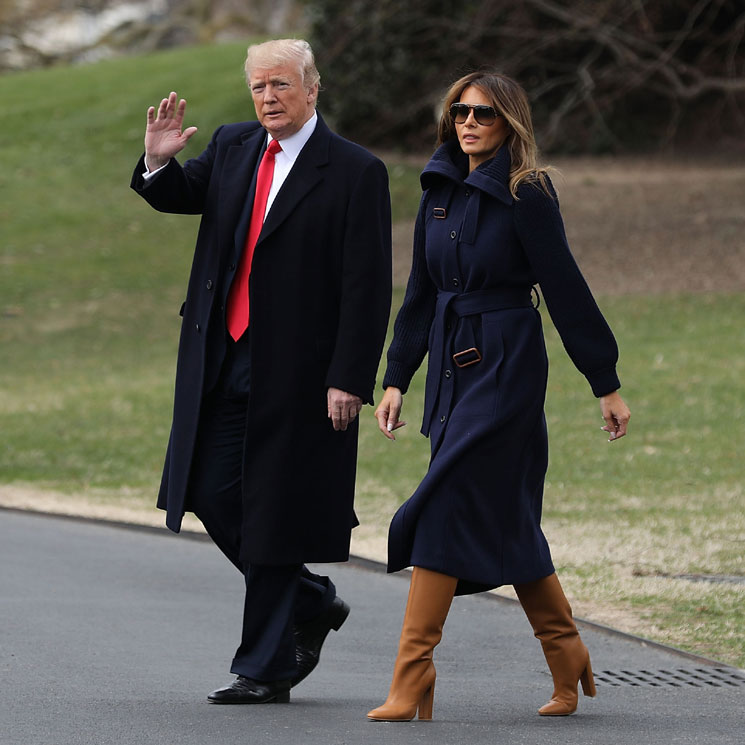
column 426, row 703
column 587, row 681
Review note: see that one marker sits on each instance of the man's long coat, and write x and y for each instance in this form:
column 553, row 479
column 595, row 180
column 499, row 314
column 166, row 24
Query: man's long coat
column 320, row 289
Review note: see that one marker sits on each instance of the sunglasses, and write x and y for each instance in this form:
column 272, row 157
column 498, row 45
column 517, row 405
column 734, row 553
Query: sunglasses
column 484, row 115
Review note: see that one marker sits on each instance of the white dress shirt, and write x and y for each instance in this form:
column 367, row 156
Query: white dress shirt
column 283, row 160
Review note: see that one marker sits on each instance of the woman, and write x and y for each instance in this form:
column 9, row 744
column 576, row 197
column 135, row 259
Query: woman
column 487, row 231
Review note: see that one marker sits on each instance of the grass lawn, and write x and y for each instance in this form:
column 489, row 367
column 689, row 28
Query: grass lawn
column 624, row 518
column 91, row 282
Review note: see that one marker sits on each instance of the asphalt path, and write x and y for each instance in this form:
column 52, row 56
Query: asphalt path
column 111, row 635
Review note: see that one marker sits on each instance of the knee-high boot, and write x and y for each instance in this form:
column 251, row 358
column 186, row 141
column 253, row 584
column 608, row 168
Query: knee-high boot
column 413, row 686
column 550, row 616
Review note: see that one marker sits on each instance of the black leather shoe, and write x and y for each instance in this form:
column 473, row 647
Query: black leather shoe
column 309, row 637
column 247, row 691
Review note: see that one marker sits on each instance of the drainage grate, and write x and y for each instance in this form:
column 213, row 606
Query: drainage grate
column 679, row 677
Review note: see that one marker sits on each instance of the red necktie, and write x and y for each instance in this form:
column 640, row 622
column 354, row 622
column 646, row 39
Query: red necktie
column 237, row 316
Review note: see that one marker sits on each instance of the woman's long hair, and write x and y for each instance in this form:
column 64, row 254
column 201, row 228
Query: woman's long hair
column 510, row 100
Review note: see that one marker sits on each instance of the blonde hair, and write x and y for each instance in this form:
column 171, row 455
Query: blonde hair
column 282, row 52
column 510, row 100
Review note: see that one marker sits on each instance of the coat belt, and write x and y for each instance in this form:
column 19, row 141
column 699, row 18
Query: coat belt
column 483, row 301
column 446, row 342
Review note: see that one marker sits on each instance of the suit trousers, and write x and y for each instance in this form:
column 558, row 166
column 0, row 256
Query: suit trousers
column 277, row 597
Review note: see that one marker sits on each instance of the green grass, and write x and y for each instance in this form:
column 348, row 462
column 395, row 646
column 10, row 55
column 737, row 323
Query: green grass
column 623, row 518
column 405, row 189
column 684, row 384
column 92, row 279
column 76, row 135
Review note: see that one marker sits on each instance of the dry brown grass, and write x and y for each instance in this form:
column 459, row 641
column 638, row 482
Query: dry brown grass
column 645, row 226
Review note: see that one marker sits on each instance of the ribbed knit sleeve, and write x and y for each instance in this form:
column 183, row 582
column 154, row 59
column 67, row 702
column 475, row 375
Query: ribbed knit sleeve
column 413, row 322
column 584, row 332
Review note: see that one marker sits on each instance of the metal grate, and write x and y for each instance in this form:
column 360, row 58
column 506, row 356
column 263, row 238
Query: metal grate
column 679, row 677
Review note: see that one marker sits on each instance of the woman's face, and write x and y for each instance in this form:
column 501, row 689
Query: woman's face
column 480, row 142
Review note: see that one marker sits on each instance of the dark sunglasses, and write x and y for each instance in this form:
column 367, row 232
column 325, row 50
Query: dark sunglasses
column 484, row 115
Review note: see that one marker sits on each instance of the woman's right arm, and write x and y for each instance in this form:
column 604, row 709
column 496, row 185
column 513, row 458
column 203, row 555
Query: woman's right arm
column 414, row 319
column 410, row 334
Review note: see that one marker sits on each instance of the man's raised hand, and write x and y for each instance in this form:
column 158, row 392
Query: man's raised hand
column 163, row 136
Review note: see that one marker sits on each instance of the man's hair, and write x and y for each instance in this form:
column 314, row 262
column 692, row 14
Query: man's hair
column 283, row 52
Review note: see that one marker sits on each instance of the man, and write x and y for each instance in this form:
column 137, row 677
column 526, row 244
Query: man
column 283, row 326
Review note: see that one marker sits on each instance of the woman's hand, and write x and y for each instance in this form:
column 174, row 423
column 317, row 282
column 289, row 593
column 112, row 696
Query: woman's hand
column 616, row 415
column 388, row 411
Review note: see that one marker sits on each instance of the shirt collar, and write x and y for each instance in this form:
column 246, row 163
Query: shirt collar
column 292, row 145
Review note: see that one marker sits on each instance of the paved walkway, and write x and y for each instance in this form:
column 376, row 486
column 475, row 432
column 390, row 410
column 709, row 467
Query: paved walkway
column 115, row 636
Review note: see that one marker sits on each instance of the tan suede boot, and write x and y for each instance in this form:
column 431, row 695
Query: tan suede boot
column 550, row 616
column 413, row 686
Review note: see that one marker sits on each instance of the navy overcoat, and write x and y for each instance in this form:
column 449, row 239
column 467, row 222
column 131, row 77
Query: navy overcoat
column 477, row 254
column 320, row 297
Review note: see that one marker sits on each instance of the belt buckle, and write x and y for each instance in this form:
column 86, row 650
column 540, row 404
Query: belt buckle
column 467, row 357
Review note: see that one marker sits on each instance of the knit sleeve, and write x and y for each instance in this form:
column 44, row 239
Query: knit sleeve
column 584, row 332
column 414, row 319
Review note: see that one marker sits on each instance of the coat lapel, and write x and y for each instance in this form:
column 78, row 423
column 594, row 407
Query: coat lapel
column 235, row 184
column 307, row 171
column 238, row 174
column 493, row 177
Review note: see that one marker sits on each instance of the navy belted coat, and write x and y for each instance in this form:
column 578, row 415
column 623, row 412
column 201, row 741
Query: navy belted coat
column 478, row 252
column 320, row 297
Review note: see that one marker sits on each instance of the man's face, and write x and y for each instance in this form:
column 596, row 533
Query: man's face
column 283, row 104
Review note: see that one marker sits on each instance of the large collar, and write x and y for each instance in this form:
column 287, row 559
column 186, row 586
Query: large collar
column 451, row 163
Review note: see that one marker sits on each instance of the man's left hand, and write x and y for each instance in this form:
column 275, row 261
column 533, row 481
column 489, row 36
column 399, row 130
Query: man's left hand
column 343, row 408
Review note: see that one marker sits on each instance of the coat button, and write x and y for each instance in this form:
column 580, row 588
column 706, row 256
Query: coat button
column 455, row 282
column 198, row 327
column 448, row 373
column 468, row 192
column 232, row 267
column 209, row 284
column 442, row 420
column 453, row 234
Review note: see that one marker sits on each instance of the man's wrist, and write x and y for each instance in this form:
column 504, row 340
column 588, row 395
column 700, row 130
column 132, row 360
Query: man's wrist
column 153, row 164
